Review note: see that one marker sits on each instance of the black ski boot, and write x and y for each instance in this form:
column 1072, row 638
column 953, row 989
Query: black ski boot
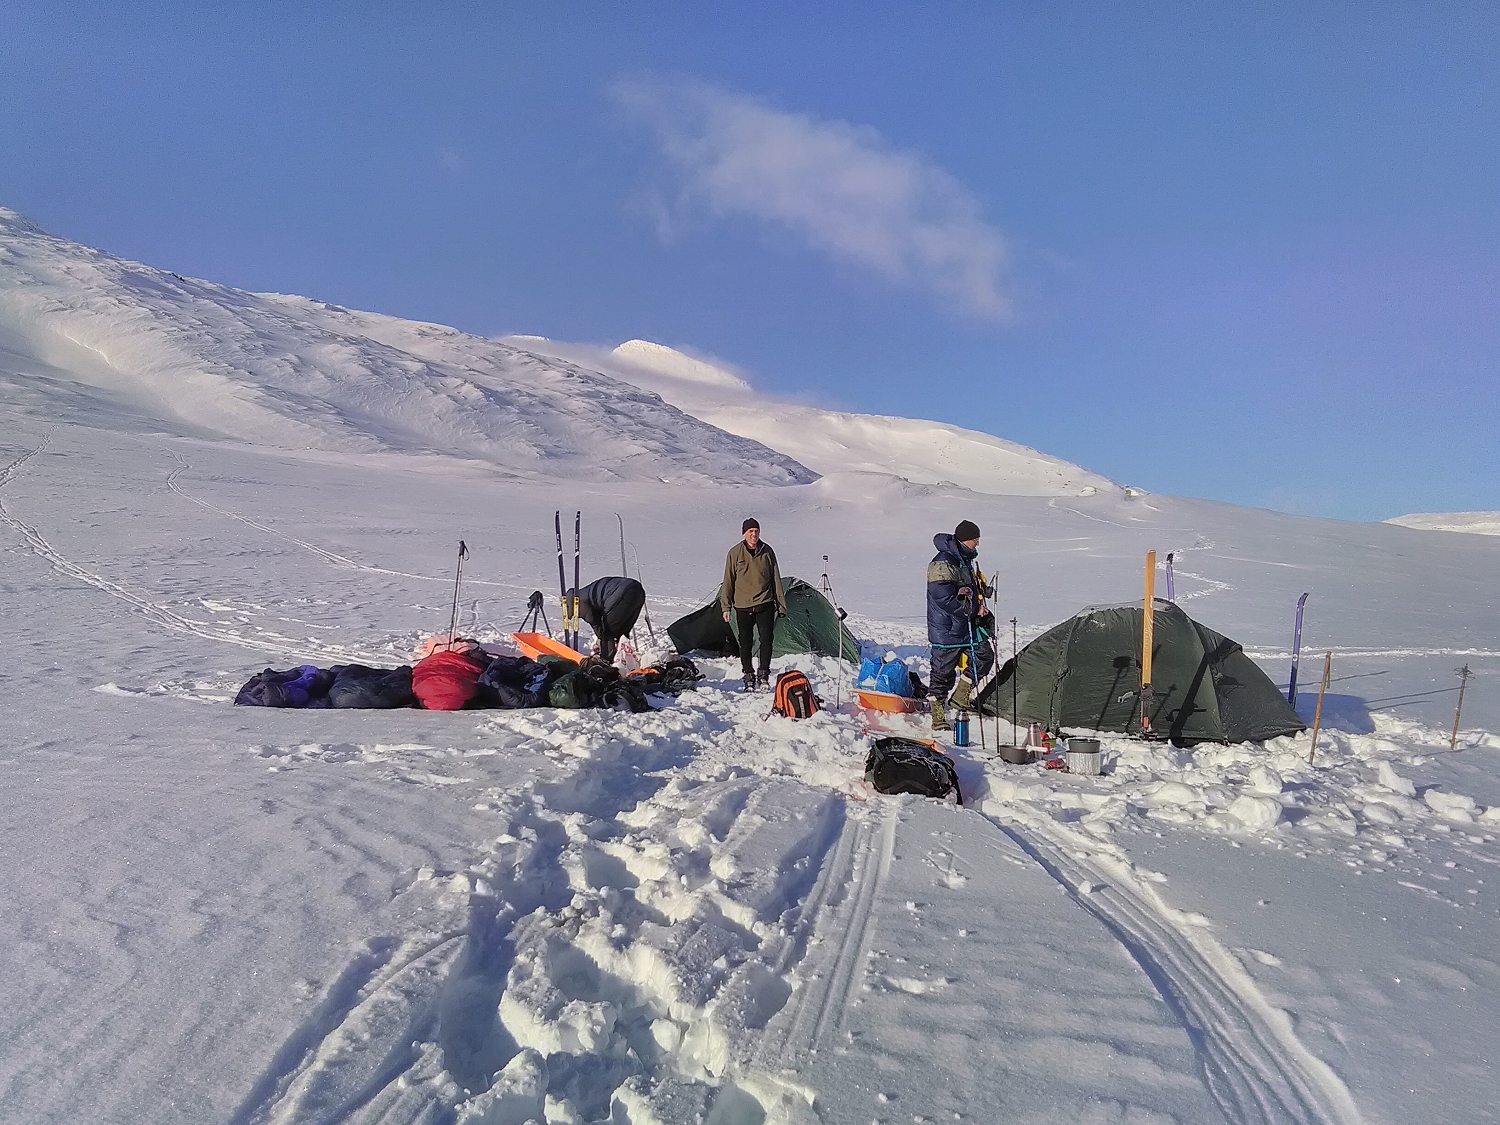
column 763, row 681
column 749, row 683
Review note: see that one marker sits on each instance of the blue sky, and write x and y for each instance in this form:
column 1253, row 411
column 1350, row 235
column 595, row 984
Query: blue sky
column 1250, row 254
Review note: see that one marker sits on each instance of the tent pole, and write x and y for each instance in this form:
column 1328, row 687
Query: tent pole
column 838, row 683
column 1015, row 678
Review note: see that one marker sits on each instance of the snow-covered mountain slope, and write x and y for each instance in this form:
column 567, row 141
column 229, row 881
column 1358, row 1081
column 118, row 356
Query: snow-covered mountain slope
column 1475, row 523
column 89, row 337
column 833, row 441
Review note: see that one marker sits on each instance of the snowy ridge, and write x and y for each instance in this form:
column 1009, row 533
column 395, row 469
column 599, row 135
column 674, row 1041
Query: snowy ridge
column 93, row 338
column 1475, row 523
column 833, row 442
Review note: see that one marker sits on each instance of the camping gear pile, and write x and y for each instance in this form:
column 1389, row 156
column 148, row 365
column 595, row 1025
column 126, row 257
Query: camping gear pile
column 462, row 674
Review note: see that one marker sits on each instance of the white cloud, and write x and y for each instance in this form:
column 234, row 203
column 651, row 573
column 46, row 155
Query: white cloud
column 842, row 187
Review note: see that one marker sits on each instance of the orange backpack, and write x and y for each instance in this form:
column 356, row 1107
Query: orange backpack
column 794, row 696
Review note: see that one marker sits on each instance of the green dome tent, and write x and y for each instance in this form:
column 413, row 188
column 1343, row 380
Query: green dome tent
column 1086, row 674
column 811, row 624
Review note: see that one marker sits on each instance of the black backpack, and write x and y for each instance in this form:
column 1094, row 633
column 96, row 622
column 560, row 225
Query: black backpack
column 794, row 696
column 904, row 765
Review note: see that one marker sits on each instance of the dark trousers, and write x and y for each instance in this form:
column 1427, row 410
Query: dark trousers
column 762, row 618
column 945, row 666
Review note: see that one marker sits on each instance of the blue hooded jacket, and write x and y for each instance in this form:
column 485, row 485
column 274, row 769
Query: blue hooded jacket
column 949, row 618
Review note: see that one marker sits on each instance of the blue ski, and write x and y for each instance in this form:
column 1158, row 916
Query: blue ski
column 1291, row 691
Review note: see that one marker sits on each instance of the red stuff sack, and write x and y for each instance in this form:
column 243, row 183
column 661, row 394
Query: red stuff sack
column 445, row 681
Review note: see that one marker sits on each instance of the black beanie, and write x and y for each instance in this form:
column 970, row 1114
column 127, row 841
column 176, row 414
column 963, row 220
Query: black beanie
column 748, row 524
column 965, row 531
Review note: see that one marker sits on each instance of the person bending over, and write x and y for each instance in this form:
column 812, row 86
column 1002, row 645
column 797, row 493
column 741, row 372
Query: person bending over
column 610, row 606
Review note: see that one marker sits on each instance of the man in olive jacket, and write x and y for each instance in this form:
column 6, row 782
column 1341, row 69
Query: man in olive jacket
column 752, row 589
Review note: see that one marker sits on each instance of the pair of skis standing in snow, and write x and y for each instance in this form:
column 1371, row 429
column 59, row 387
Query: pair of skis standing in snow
column 610, row 605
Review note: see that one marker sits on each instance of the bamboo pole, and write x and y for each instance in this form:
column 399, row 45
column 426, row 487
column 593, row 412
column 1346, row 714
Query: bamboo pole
column 1318, row 714
column 1463, row 682
column 1148, row 633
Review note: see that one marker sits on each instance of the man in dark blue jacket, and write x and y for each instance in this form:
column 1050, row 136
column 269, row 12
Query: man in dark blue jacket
column 957, row 625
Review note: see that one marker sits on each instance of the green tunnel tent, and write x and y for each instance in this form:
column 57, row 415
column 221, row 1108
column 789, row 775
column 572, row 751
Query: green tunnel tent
column 1085, row 674
column 811, row 624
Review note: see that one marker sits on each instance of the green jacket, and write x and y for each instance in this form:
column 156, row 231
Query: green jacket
column 752, row 580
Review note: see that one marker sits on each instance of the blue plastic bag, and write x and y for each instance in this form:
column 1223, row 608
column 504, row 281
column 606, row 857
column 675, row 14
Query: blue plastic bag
column 894, row 679
column 869, row 668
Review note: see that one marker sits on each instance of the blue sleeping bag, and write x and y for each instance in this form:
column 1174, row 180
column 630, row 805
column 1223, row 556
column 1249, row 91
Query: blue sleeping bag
column 305, row 686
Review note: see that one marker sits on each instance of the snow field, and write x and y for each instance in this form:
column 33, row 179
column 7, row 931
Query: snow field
column 698, row 918
column 701, row 914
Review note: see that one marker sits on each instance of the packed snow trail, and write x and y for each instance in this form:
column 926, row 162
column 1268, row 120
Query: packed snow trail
column 1257, row 1070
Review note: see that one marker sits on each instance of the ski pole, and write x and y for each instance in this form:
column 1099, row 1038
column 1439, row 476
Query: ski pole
column 562, row 575
column 974, row 675
column 577, row 533
column 639, row 577
column 1171, row 596
column 463, row 553
column 1291, row 691
column 623, row 569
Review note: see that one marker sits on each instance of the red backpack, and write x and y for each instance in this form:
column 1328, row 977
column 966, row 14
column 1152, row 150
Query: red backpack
column 794, row 696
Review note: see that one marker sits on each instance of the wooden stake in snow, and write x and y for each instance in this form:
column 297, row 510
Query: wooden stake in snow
column 1318, row 714
column 1148, row 631
column 1463, row 682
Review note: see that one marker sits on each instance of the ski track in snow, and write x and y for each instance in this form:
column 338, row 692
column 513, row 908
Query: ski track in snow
column 1257, row 1070
column 330, row 556
column 159, row 614
column 648, row 957
column 861, row 860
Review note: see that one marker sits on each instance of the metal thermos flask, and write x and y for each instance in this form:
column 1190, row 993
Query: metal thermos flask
column 961, row 729
column 1034, row 734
